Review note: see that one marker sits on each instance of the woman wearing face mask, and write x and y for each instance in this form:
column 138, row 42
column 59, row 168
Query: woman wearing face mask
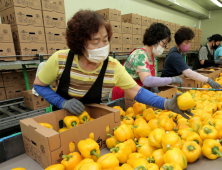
column 206, row 54
column 141, row 62
column 86, row 73
column 175, row 65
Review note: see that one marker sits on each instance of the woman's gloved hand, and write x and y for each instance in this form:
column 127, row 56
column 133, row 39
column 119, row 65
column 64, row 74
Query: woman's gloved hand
column 177, row 80
column 171, row 105
column 219, row 61
column 154, row 89
column 213, row 84
column 74, row 106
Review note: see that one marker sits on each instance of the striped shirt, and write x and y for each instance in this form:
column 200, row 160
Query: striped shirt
column 80, row 81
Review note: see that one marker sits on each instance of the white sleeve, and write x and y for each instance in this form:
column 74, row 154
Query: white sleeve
column 194, row 75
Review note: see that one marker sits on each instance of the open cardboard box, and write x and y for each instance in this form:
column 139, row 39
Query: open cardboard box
column 47, row 146
column 209, row 69
column 166, row 91
column 210, row 74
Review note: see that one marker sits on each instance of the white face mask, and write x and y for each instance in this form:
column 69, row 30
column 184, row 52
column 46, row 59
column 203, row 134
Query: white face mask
column 158, row 50
column 98, row 55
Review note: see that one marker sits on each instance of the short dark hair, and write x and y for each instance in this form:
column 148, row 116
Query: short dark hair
column 215, row 37
column 82, row 26
column 155, row 33
column 184, row 33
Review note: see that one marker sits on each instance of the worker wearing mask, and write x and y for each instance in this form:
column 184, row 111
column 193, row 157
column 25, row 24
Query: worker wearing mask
column 141, row 62
column 205, row 56
column 175, row 65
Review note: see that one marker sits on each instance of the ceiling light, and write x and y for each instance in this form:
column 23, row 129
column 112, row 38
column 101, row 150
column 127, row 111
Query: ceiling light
column 217, row 2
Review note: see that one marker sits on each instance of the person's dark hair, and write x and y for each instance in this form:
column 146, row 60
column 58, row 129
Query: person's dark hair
column 82, row 26
column 155, row 33
column 215, row 37
column 184, row 33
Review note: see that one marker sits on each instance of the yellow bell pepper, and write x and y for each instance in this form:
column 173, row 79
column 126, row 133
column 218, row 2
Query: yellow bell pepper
column 182, row 120
column 139, row 116
column 154, row 123
column 191, row 150
column 63, row 129
column 171, row 166
column 134, row 157
column 122, row 133
column 155, row 137
column 52, row 167
column 208, row 132
column 193, row 136
column 84, row 161
column 71, row 160
column 140, row 162
column 146, row 150
column 143, row 141
column 184, row 132
column 107, row 129
column 149, row 114
column 108, row 161
column 131, row 131
column 142, row 129
column 196, row 125
column 136, row 122
column 212, row 149
column 185, row 101
column 152, row 166
column 122, row 152
column 177, row 156
column 124, row 167
column 167, row 124
column 89, row 149
column 131, row 144
column 122, row 113
column 47, row 125
column 71, row 121
column 157, row 157
column 183, row 125
column 138, row 108
column 71, row 147
column 84, row 117
column 19, row 168
column 90, row 166
column 91, row 136
column 171, row 140
column 216, row 123
column 111, row 141
column 129, row 111
column 128, row 120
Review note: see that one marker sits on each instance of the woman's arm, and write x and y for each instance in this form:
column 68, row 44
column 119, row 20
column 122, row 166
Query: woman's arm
column 194, row 75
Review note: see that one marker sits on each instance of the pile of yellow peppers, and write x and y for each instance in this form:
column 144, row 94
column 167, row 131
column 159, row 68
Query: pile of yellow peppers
column 71, row 121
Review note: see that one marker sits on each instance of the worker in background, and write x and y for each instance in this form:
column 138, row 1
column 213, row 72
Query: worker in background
column 205, row 56
column 141, row 62
column 175, row 65
column 85, row 71
column 218, row 53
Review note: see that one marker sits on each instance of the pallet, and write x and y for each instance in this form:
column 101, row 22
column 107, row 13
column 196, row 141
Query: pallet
column 8, row 58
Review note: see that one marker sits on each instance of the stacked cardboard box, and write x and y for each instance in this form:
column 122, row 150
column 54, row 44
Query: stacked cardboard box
column 54, row 24
column 6, row 43
column 114, row 18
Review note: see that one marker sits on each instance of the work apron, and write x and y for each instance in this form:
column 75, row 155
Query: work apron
column 197, row 64
column 95, row 92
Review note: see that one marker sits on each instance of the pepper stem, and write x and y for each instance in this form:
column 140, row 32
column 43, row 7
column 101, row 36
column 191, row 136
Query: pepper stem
column 84, row 119
column 115, row 149
column 175, row 129
column 196, row 141
column 115, row 128
column 165, row 167
column 73, row 124
column 134, row 127
column 109, row 135
column 215, row 151
column 152, row 160
column 135, row 140
column 93, row 152
column 168, row 146
column 121, row 117
column 67, row 157
column 140, row 167
column 170, row 116
column 127, row 118
column 190, row 148
column 219, row 140
column 148, row 160
column 211, row 124
column 207, row 130
column 134, row 117
column 139, row 146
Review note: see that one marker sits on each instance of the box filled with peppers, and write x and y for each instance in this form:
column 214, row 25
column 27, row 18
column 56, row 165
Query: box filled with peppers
column 48, row 137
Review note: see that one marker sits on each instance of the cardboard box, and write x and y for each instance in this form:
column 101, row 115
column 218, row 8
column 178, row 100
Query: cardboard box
column 34, row 4
column 137, row 29
column 34, row 102
column 110, row 14
column 161, row 21
column 12, row 78
column 116, row 39
column 153, row 20
column 144, row 29
column 132, row 18
column 1, row 81
column 14, row 92
column 53, row 6
column 5, row 33
column 30, row 49
column 137, row 39
column 165, row 91
column 168, row 24
column 116, row 48
column 127, row 39
column 47, row 146
column 54, row 19
column 210, row 74
column 31, row 75
column 7, row 49
column 116, row 26
column 28, row 34
column 127, row 48
column 2, row 94
column 22, row 16
column 55, row 35
column 52, row 48
column 173, row 27
column 127, row 28
column 146, row 21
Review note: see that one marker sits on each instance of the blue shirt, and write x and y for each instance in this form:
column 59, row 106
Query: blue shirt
column 218, row 52
column 174, row 64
